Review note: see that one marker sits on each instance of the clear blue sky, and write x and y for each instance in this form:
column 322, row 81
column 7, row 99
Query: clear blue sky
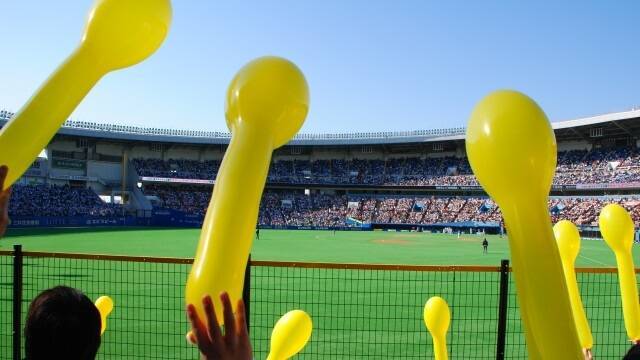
column 371, row 65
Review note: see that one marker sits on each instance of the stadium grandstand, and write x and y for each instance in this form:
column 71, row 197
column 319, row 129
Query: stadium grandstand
column 101, row 174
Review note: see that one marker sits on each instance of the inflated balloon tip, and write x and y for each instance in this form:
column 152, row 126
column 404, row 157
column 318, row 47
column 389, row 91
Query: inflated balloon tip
column 269, row 94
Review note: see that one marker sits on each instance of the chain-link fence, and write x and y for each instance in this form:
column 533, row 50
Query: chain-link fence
column 359, row 310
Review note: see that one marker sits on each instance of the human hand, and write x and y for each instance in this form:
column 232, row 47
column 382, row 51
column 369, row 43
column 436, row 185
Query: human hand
column 587, row 354
column 5, row 195
column 234, row 344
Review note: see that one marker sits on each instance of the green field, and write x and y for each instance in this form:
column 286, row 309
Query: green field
column 301, row 245
column 357, row 313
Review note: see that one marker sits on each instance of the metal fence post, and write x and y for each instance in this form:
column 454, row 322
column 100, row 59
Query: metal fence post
column 246, row 291
column 17, row 301
column 502, row 309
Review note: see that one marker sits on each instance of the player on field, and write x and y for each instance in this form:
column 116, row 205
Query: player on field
column 485, row 246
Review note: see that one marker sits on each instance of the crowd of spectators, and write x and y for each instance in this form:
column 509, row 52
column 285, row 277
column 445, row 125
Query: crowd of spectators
column 296, row 209
column 610, row 165
column 190, row 199
column 602, row 165
column 281, row 208
column 183, row 169
column 52, row 200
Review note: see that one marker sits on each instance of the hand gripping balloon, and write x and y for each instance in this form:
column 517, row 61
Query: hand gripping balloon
column 290, row 334
column 568, row 240
column 118, row 34
column 267, row 102
column 512, row 151
column 105, row 306
column 616, row 227
column 437, row 318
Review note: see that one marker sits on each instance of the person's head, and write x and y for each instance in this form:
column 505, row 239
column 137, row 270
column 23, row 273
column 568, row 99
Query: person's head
column 634, row 353
column 62, row 323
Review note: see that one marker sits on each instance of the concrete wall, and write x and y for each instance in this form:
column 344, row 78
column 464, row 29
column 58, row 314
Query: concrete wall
column 143, row 151
column 107, row 171
column 113, row 149
column 574, row 145
column 182, row 153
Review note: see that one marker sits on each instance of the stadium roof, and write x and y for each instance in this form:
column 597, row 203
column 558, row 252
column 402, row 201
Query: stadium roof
column 618, row 124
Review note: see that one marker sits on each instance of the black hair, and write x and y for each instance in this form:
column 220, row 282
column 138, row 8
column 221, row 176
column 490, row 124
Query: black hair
column 62, row 323
column 634, row 353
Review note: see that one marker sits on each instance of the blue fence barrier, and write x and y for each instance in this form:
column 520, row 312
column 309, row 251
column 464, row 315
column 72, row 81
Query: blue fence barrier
column 339, row 228
column 174, row 218
column 74, row 221
column 158, row 218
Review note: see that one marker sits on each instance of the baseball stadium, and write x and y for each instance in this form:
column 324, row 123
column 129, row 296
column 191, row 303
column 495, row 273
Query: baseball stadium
column 319, row 180
column 357, row 229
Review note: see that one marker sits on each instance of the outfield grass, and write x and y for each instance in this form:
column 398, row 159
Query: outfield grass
column 299, row 245
column 357, row 313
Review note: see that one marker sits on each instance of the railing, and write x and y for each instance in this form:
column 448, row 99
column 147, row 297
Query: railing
column 137, row 130
column 359, row 310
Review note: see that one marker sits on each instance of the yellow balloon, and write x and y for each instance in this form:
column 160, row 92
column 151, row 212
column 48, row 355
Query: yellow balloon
column 617, row 228
column 105, row 307
column 290, row 334
column 267, row 102
column 512, row 151
column 437, row 318
column 568, row 240
column 117, row 34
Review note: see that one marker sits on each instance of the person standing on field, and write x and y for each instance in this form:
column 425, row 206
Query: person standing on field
column 485, row 246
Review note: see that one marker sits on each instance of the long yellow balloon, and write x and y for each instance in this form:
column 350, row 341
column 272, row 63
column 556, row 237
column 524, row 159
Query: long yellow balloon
column 512, row 151
column 105, row 307
column 617, row 228
column 290, row 334
column 437, row 318
column 266, row 105
column 118, row 34
column 568, row 240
